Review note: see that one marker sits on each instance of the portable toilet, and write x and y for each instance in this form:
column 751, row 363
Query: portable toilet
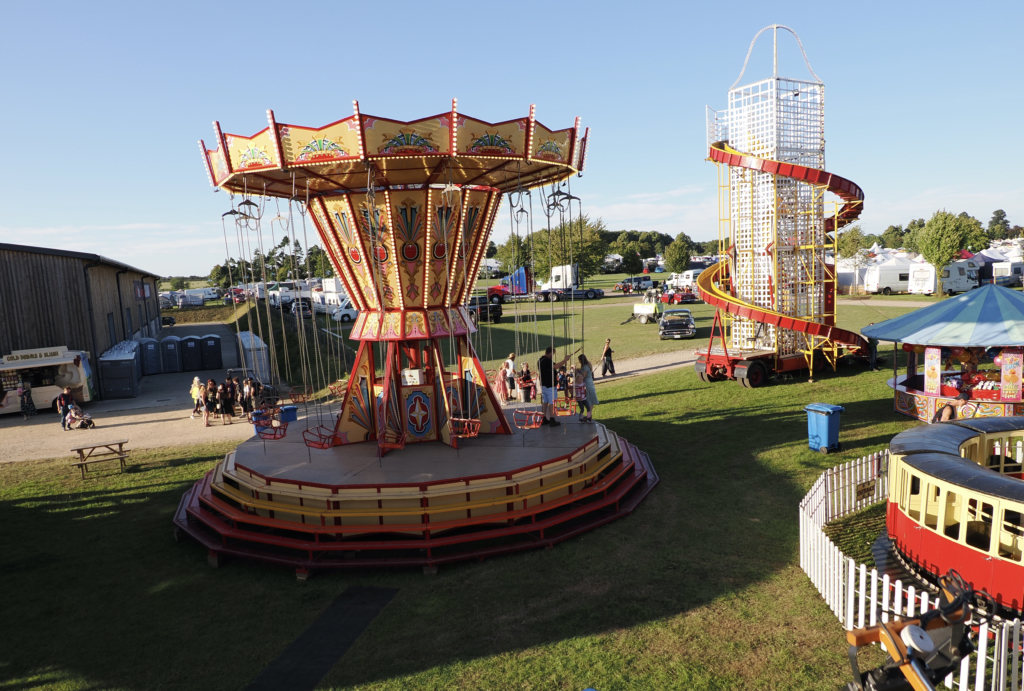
column 117, row 367
column 191, row 354
column 210, row 347
column 170, row 351
column 151, row 359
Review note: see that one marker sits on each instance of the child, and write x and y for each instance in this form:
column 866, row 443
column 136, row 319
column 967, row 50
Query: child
column 563, row 379
column 526, row 383
column 195, row 396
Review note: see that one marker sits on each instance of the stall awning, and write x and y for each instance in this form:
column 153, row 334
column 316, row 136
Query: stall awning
column 989, row 316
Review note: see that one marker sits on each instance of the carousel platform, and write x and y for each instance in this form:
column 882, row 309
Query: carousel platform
column 420, row 506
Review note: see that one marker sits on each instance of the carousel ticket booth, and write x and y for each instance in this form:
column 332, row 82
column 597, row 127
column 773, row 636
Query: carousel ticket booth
column 966, row 351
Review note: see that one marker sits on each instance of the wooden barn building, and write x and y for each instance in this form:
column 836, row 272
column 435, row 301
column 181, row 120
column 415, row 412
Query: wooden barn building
column 52, row 297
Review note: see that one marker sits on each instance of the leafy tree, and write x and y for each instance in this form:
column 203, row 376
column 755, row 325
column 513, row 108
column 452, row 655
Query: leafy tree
column 912, row 235
column 492, row 249
column 632, row 263
column 178, row 283
column 943, row 237
column 892, row 237
column 977, row 240
column 851, row 241
column 679, row 253
column 998, row 226
column 219, row 276
column 1014, row 232
column 319, row 262
column 576, row 243
column 513, row 253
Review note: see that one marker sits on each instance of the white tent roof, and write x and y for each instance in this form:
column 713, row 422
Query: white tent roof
column 994, row 254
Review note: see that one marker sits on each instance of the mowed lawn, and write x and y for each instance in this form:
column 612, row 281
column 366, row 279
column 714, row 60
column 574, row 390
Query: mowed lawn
column 699, row 589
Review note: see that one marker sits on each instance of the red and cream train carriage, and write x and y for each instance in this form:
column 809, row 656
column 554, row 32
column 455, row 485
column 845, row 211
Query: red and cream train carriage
column 956, row 501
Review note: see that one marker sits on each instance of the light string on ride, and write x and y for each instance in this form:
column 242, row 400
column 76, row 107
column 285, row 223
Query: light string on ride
column 390, row 395
column 253, row 223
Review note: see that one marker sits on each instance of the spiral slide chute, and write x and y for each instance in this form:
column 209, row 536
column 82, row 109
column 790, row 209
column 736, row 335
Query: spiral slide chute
column 751, row 368
column 713, row 295
column 851, row 194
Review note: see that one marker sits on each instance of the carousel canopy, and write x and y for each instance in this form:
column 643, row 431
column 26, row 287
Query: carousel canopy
column 989, row 316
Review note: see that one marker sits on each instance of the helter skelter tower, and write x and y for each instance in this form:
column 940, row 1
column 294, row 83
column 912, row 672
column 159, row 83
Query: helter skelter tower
column 404, row 210
column 774, row 286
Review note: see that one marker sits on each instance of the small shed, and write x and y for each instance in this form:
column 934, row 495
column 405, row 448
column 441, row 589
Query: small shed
column 255, row 358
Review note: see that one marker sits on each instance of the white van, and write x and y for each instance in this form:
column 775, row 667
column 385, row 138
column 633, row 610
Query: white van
column 887, row 279
column 958, row 277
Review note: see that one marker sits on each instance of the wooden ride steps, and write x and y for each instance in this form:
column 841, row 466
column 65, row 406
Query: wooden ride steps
column 454, row 497
column 224, row 529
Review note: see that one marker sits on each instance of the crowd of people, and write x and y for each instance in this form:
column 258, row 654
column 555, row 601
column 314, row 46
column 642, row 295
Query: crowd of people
column 572, row 382
column 225, row 400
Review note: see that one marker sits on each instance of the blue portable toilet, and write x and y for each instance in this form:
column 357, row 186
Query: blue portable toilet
column 152, row 362
column 191, row 354
column 289, row 413
column 170, row 350
column 823, row 427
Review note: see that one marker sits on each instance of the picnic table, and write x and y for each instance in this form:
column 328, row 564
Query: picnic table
column 100, row 453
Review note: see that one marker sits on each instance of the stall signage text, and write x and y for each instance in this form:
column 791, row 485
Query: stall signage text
column 1010, row 389
column 932, row 370
column 28, row 356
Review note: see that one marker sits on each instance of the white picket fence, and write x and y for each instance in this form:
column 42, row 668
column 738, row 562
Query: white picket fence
column 860, row 597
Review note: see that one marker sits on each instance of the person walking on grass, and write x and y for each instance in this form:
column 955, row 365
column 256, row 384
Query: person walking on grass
column 546, row 370
column 606, row 358
column 586, row 394
column 196, row 400
column 873, row 351
column 64, row 403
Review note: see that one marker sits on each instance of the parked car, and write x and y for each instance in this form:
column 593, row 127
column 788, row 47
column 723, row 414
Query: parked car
column 167, row 321
column 683, row 297
column 344, row 312
column 676, row 324
column 659, row 270
column 637, row 283
column 301, row 308
column 480, row 309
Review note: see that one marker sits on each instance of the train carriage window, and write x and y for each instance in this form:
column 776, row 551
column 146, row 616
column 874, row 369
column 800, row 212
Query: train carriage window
column 979, row 525
column 970, row 451
column 932, row 506
column 951, row 516
column 914, row 502
column 1011, row 537
column 1014, row 455
column 995, row 454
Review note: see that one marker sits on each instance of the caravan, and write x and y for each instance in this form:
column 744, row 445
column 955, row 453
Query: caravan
column 958, row 277
column 887, row 278
column 1008, row 273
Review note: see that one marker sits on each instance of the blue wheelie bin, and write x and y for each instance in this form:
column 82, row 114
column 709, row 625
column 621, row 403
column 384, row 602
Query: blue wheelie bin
column 823, row 427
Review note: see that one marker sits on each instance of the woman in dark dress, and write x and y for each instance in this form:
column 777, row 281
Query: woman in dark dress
column 28, row 406
column 227, row 403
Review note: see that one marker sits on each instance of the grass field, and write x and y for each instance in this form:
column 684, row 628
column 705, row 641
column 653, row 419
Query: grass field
column 166, row 285
column 699, row 589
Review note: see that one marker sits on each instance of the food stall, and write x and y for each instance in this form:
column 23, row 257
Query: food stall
column 47, row 371
column 972, row 343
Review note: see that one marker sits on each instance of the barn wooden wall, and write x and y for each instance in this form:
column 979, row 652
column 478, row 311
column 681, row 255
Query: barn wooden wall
column 43, row 302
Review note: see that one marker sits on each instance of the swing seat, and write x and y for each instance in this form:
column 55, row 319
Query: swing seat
column 464, row 428
column 391, row 441
column 276, row 430
column 527, row 419
column 563, row 406
column 319, row 437
column 338, row 388
column 300, row 394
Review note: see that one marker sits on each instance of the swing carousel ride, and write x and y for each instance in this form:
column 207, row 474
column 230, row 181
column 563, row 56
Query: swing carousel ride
column 420, row 465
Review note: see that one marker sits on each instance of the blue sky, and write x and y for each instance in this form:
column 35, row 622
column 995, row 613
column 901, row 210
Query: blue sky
column 104, row 103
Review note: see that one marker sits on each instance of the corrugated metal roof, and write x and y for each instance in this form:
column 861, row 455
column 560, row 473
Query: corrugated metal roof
column 74, row 255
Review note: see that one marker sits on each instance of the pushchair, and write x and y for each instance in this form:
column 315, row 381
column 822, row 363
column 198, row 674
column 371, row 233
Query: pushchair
column 79, row 419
